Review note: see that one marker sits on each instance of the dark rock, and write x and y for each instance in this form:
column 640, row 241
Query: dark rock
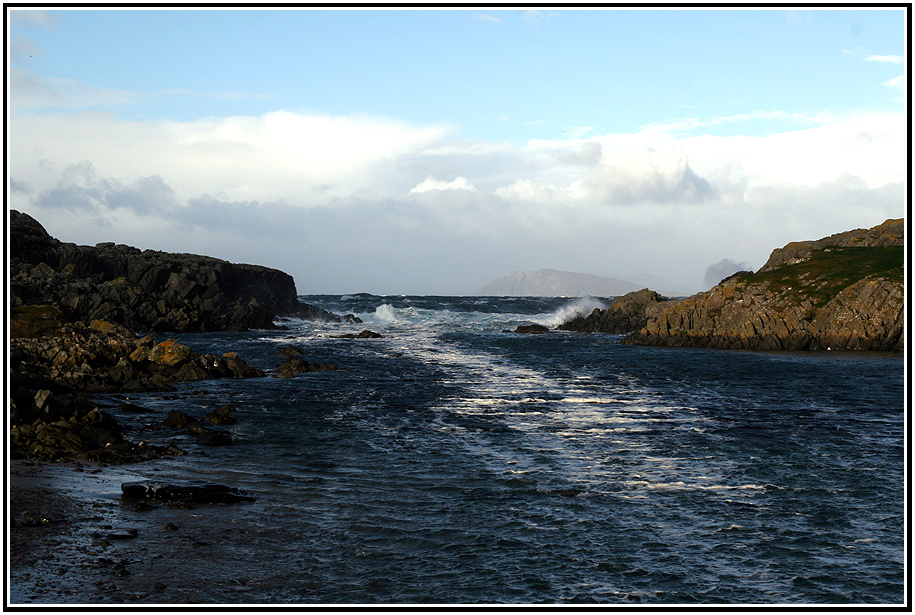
column 531, row 329
column 187, row 492
column 177, row 420
column 221, row 416
column 239, row 368
column 209, row 436
column 297, row 365
column 625, row 314
column 147, row 290
column 87, row 359
column 363, row 335
column 290, row 351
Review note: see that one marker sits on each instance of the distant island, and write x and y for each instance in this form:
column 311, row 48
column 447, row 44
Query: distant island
column 552, row 283
column 842, row 292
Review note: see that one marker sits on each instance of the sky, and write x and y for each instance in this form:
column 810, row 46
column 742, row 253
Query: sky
column 429, row 151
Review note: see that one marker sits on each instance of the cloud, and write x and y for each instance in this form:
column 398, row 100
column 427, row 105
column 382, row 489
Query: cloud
column 29, row 91
column 32, row 18
column 722, row 269
column 889, row 59
column 430, row 183
column 21, row 50
column 82, row 188
column 355, row 198
column 487, row 17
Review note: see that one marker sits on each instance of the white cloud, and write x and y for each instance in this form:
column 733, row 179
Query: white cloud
column 889, row 59
column 360, row 195
column 21, row 50
column 430, row 183
column 31, row 92
column 487, row 17
column 32, row 18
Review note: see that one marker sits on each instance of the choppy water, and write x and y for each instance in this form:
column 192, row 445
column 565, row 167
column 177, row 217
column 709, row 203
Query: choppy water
column 452, row 463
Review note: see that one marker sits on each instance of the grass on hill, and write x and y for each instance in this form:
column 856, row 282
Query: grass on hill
column 830, row 270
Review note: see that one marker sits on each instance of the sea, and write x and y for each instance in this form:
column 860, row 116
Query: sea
column 455, row 462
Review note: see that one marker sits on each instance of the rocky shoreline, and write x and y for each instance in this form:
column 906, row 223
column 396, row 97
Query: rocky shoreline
column 843, row 292
column 75, row 314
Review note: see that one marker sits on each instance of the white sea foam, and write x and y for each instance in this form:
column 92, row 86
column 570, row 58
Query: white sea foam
column 385, row 313
column 580, row 307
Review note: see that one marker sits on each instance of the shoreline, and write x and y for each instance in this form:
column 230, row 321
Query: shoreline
column 74, row 541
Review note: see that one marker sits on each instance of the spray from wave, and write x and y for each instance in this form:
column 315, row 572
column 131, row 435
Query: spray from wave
column 580, row 307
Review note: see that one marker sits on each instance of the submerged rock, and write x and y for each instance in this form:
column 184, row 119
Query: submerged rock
column 184, row 492
column 290, row 351
column 297, row 365
column 221, row 416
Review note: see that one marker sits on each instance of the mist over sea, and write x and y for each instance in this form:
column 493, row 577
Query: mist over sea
column 452, row 463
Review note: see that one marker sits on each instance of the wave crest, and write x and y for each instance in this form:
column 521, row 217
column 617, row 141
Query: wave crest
column 580, row 307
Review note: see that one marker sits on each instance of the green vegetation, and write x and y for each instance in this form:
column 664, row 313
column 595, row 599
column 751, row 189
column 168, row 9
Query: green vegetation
column 829, row 270
column 35, row 321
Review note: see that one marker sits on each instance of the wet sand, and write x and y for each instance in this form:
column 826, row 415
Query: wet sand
column 73, row 541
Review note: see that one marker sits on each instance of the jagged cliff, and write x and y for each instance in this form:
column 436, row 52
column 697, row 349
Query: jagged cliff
column 843, row 292
column 146, row 290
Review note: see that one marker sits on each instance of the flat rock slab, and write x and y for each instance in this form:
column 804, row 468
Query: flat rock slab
column 185, row 492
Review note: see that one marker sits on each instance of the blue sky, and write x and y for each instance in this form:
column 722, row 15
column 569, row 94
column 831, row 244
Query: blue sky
column 340, row 145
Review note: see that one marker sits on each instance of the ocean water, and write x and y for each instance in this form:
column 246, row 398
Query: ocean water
column 452, row 463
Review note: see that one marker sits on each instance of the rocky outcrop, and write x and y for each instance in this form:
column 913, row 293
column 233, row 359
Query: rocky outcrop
column 890, row 233
column 843, row 292
column 53, row 362
column 625, row 314
column 51, row 426
column 147, row 290
column 104, row 358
